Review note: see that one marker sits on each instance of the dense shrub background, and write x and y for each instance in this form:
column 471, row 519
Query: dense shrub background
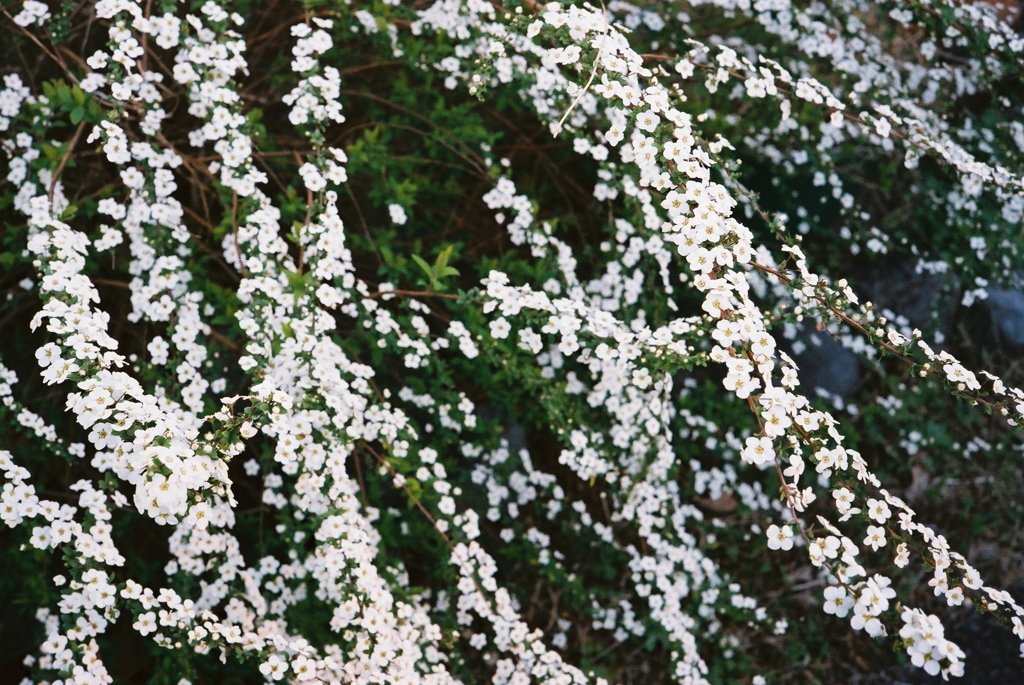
column 435, row 145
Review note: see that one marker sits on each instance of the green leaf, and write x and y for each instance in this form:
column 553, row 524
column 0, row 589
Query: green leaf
column 52, row 152
column 423, row 265
column 442, row 259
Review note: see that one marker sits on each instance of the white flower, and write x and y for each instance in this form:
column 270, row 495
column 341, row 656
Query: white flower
column 648, row 121
column 879, row 511
column 32, row 12
column 758, row 451
column 614, row 136
column 500, row 328
column 780, row 538
column 567, row 55
column 312, row 178
column 304, row 668
column 875, row 538
column 274, row 667
column 146, row 623
column 398, row 215
column 837, row 601
column 158, row 349
column 48, row 354
column 844, row 499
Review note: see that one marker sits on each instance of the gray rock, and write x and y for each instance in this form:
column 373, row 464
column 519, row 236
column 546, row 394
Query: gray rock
column 1006, row 309
column 827, row 365
column 927, row 300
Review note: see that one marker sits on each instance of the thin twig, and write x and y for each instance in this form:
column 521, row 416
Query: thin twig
column 64, row 161
column 234, row 233
column 593, row 72
column 410, row 293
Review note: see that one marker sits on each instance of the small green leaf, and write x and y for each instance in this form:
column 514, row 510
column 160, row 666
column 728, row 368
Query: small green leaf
column 442, row 259
column 423, row 265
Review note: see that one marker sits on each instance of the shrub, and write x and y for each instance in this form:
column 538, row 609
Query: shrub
column 451, row 341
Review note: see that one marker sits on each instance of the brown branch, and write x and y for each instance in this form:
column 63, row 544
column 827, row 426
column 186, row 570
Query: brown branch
column 234, row 233
column 64, row 161
column 415, row 500
column 372, row 65
column 409, row 293
column 888, row 347
column 52, row 55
